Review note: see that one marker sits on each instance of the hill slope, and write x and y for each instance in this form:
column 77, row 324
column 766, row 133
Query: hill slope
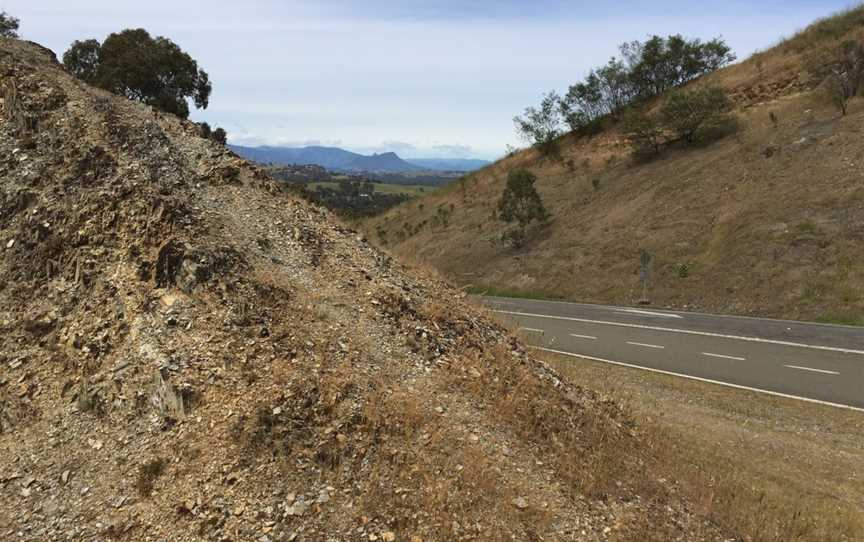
column 769, row 221
column 188, row 353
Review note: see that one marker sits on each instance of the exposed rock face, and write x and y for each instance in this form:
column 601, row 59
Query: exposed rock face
column 186, row 353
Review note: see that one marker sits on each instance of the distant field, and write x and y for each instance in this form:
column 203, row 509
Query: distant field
column 384, row 188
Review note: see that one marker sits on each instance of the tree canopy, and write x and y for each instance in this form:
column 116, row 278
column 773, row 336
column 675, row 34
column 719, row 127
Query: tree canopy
column 644, row 70
column 151, row 70
column 541, row 126
column 8, row 25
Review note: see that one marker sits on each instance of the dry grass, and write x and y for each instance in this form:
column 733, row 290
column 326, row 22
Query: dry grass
column 768, row 469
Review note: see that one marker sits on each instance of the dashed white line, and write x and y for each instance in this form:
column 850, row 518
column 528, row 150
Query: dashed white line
column 649, row 313
column 812, row 370
column 590, row 337
column 686, row 331
column 532, row 329
column 646, row 345
column 700, row 379
column 722, row 356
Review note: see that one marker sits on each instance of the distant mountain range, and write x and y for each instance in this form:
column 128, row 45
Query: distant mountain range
column 337, row 159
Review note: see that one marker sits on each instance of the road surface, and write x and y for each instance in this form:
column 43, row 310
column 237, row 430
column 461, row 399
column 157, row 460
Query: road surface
column 814, row 362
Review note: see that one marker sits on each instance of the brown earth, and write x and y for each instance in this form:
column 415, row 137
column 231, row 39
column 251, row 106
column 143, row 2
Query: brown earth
column 189, row 353
column 768, row 221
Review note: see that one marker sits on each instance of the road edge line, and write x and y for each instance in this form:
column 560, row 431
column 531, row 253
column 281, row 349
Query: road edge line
column 700, row 379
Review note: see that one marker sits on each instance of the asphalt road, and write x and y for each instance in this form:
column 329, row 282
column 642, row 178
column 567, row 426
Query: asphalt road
column 814, row 362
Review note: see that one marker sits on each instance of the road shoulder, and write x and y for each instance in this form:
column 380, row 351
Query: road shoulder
column 754, row 463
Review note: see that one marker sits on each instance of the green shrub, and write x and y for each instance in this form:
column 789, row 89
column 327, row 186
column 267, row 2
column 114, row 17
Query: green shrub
column 696, row 114
column 644, row 133
column 541, row 126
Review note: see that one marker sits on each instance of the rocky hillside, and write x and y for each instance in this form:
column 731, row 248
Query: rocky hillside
column 768, row 221
column 187, row 353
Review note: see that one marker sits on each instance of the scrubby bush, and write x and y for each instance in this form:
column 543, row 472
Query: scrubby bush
column 520, row 203
column 695, row 114
column 541, row 126
column 218, row 135
column 8, row 25
column 845, row 78
column 644, row 133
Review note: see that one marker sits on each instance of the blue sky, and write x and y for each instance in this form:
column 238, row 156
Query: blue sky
column 422, row 78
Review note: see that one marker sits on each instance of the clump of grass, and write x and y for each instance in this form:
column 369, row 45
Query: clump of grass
column 682, row 269
column 504, row 292
column 147, row 475
column 808, row 227
column 841, row 318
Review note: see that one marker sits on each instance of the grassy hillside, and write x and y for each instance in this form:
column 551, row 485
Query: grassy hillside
column 768, row 221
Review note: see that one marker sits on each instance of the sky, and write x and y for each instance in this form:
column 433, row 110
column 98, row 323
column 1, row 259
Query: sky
column 423, row 78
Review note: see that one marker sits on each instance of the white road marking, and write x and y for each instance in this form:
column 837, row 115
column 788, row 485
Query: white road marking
column 723, row 356
column 583, row 336
column 700, row 379
column 646, row 345
column 533, row 329
column 686, row 331
column 649, row 313
column 812, row 370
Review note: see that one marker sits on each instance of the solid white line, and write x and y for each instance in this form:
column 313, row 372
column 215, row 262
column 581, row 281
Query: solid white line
column 583, row 336
column 649, row 313
column 722, row 356
column 535, row 330
column 700, row 379
column 687, row 331
column 513, row 300
column 813, row 370
column 646, row 345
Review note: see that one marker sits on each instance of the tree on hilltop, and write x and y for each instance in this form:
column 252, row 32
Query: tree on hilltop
column 8, row 25
column 541, row 126
column 133, row 64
